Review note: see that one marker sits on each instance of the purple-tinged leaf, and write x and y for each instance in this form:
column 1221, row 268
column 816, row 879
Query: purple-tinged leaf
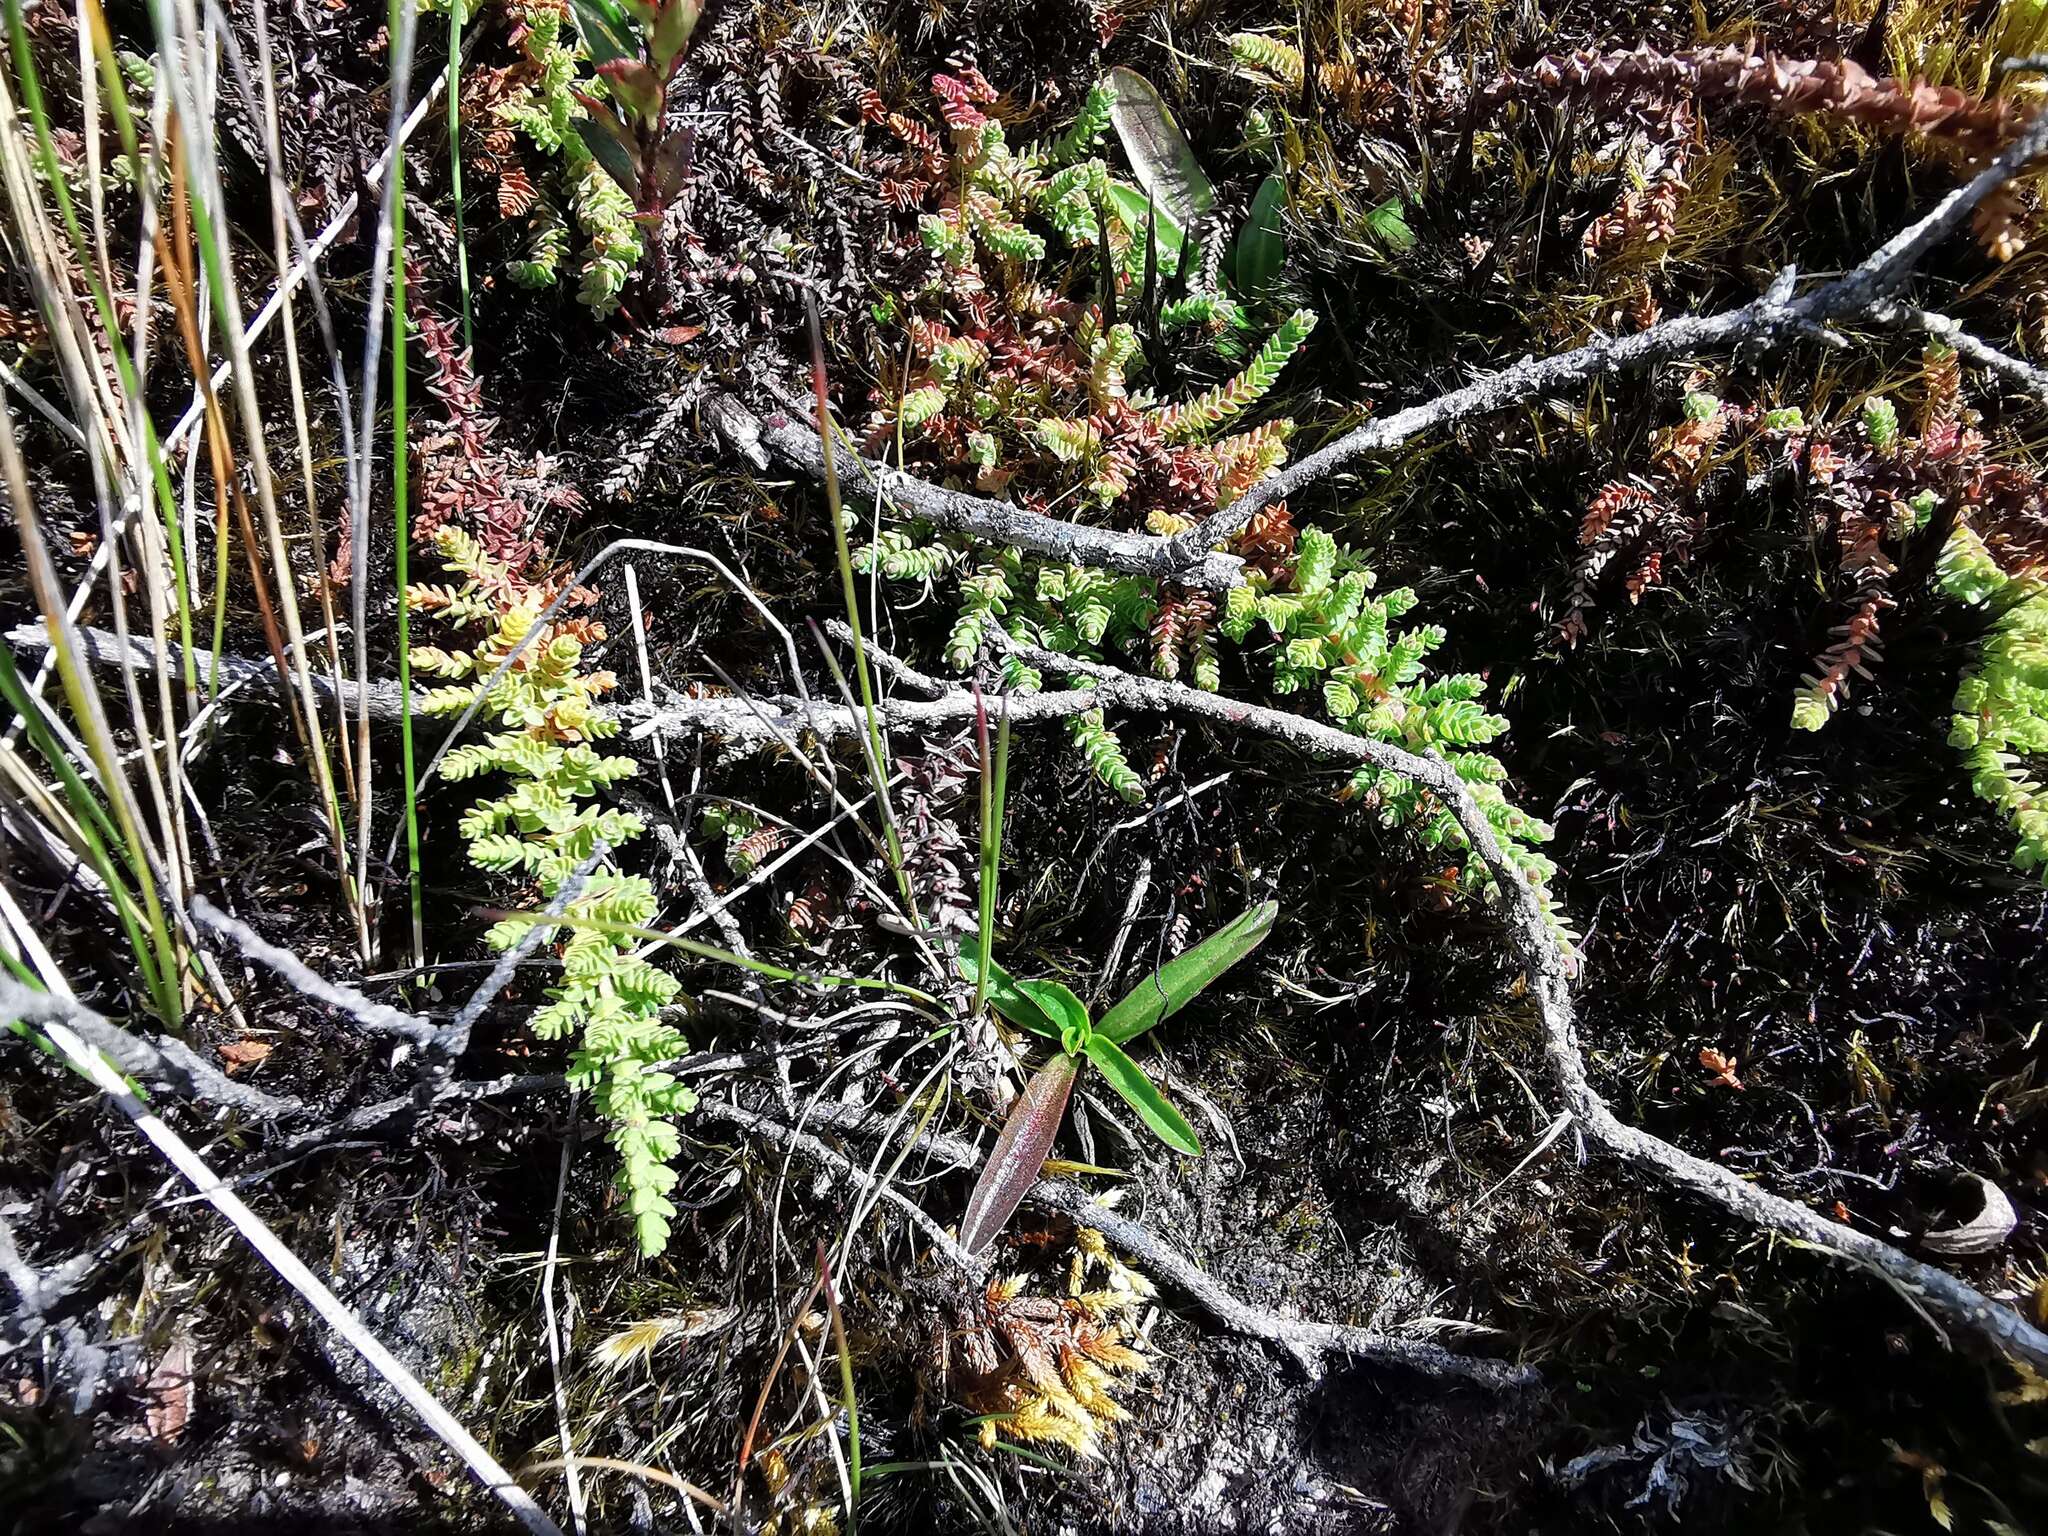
column 635, row 87
column 1019, row 1153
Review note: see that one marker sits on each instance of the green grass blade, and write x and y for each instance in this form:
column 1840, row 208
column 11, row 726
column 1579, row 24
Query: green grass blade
column 846, row 1393
column 995, row 783
column 705, row 951
column 110, row 325
column 402, row 540
column 877, row 757
column 458, row 14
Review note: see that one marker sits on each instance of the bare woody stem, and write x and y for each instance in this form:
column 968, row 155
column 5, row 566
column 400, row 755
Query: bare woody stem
column 1773, row 318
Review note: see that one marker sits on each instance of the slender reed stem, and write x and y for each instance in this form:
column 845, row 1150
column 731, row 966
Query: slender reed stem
column 995, row 783
column 705, row 951
column 85, row 704
column 872, row 743
column 402, row 532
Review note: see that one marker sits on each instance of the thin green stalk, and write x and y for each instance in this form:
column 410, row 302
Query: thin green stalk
column 225, row 303
column 872, row 742
column 117, row 346
column 85, row 704
column 705, row 951
column 846, row 1394
column 995, row 783
column 95, row 831
column 403, row 553
column 457, row 15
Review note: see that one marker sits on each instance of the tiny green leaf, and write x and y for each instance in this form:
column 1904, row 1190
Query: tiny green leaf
column 1143, row 1095
column 1388, row 227
column 1159, row 152
column 1177, row 983
column 1019, row 1153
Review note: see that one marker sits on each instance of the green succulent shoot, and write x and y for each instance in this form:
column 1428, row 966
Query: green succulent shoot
column 1051, row 1009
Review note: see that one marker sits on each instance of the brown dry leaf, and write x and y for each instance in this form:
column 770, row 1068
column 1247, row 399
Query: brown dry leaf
column 170, row 1394
column 244, row 1053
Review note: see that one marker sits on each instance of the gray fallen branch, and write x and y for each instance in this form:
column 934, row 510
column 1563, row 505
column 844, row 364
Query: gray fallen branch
column 105, row 649
column 162, row 1065
column 797, row 444
column 2016, row 371
column 1534, row 943
column 1771, row 319
column 452, row 1039
column 1941, row 1294
column 378, row 1018
column 1311, row 1343
column 769, row 721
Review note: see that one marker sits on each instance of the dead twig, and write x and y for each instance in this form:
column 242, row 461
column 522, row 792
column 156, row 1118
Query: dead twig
column 295, row 1274
column 1771, row 319
column 378, row 1018
column 796, row 442
column 2014, row 370
column 161, row 1065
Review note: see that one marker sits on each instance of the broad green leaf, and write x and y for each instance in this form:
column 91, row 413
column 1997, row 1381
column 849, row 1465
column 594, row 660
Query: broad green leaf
column 1143, row 1095
column 1261, row 244
column 1007, row 997
column 606, row 32
column 1177, row 983
column 1019, row 1153
column 1388, row 227
column 1159, row 152
column 1133, row 208
column 604, row 137
column 1058, row 1003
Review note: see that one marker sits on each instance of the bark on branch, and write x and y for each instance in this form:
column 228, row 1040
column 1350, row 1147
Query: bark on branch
column 797, row 444
column 1940, row 1294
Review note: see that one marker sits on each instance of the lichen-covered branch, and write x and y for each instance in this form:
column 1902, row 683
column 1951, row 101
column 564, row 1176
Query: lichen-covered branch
column 161, row 1065
column 797, row 444
column 1772, row 318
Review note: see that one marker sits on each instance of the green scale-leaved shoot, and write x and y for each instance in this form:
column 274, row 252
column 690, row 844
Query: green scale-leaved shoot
column 2000, row 723
column 545, row 112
